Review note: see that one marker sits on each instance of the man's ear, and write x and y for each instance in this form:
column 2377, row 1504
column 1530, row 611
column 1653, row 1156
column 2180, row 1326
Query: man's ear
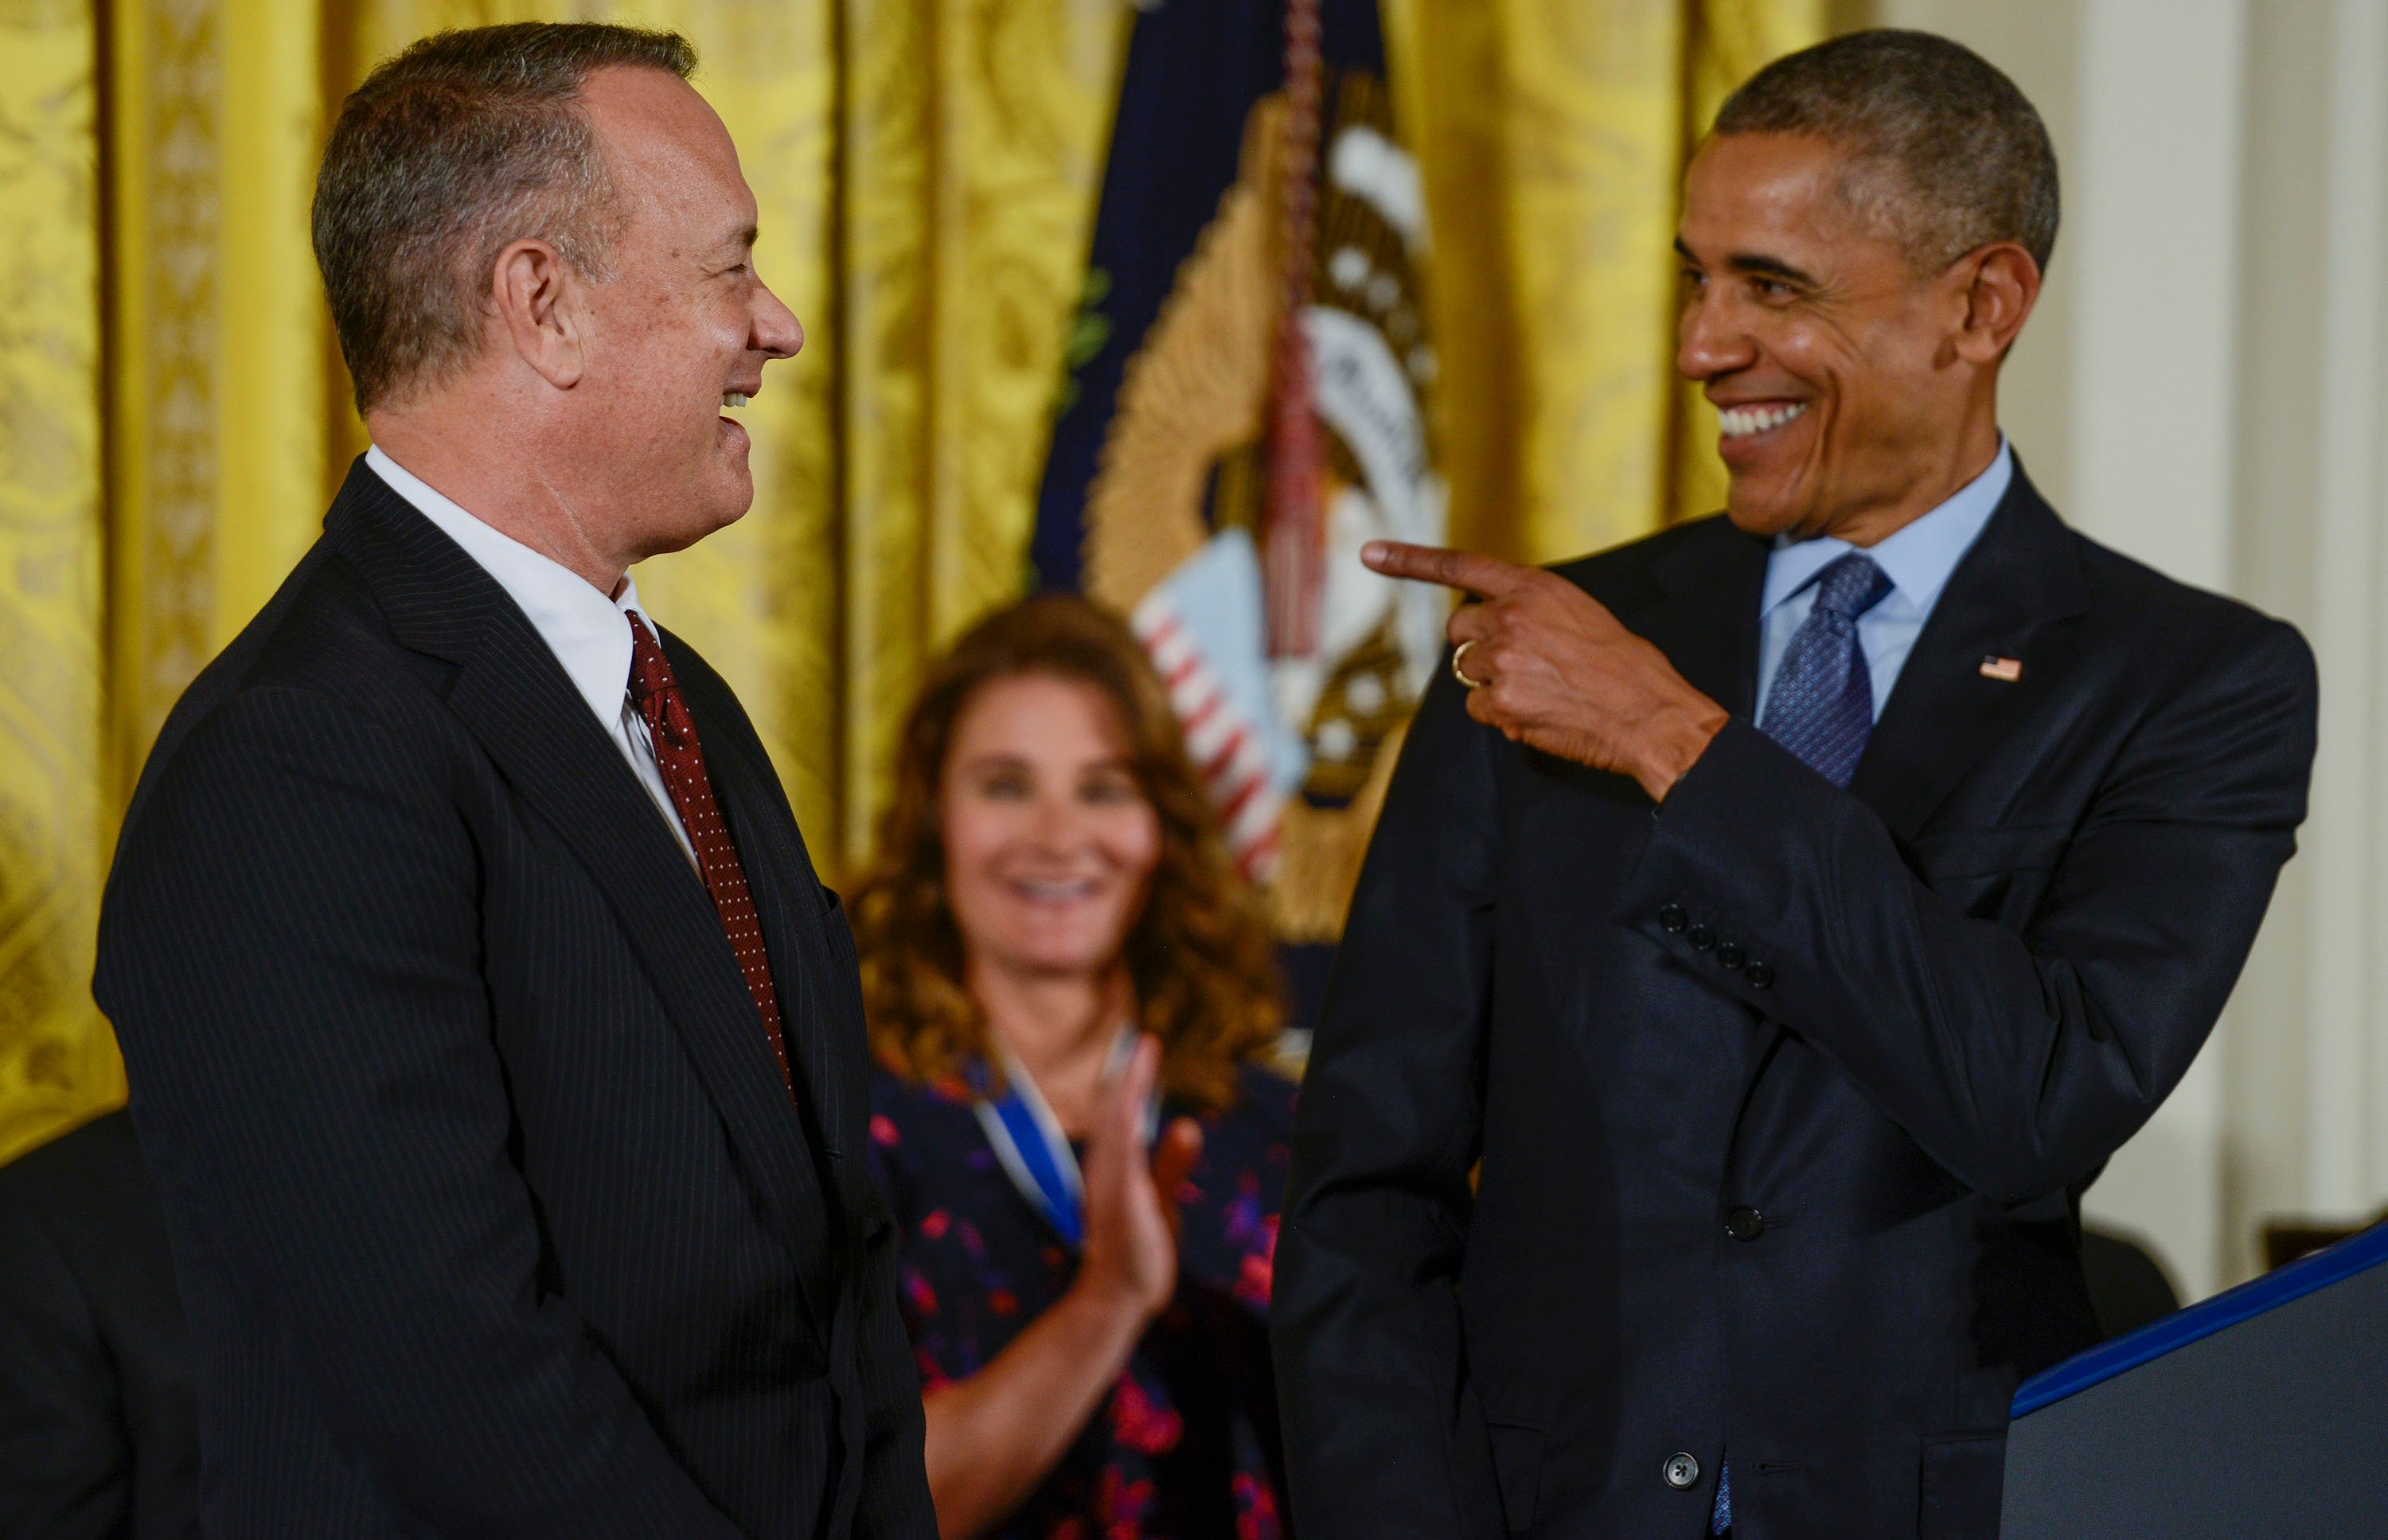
column 2001, row 285
column 538, row 301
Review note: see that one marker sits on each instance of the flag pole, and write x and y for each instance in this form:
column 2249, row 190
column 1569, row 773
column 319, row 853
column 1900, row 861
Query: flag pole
column 1293, row 560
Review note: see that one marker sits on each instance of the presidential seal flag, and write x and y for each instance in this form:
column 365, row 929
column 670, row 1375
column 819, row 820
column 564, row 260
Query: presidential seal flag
column 1247, row 404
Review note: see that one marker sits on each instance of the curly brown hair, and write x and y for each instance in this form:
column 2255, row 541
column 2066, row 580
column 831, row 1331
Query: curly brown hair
column 1200, row 954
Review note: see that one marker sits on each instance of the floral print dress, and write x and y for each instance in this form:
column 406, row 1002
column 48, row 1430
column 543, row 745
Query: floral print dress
column 1186, row 1447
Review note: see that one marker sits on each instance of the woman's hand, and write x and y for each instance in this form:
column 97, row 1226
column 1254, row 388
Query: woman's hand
column 996, row 1433
column 1130, row 1257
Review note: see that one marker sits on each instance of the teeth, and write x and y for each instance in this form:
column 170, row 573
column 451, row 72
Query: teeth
column 1739, row 421
column 1058, row 890
column 733, row 398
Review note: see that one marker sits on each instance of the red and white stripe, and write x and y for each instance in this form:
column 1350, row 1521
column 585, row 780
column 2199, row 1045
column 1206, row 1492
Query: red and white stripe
column 1226, row 749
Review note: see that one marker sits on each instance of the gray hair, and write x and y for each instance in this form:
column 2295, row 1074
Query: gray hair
column 448, row 152
column 1950, row 156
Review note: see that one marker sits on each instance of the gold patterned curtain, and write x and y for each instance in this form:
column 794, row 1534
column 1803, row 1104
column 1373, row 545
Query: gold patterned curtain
column 57, row 1062
column 173, row 416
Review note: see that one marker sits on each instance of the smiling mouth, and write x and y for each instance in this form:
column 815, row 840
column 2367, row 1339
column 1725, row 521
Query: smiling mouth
column 1072, row 891
column 1745, row 423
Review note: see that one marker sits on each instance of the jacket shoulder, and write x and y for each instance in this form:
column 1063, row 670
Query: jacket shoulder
column 1623, row 575
column 94, row 1157
column 2183, row 621
column 323, row 634
column 322, row 631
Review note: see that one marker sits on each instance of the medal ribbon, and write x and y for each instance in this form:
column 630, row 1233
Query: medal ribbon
column 1029, row 1143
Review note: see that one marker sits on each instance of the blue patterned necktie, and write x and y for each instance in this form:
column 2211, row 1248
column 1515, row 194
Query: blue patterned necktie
column 1822, row 706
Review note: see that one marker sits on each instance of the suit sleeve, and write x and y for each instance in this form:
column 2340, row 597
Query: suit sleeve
column 1383, row 1437
column 290, row 951
column 2019, row 1061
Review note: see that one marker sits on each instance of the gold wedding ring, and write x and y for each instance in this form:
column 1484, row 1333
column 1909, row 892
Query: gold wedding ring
column 1460, row 674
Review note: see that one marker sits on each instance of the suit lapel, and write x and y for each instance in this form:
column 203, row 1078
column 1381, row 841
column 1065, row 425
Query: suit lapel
column 787, row 897
column 2022, row 576
column 515, row 699
column 1706, row 617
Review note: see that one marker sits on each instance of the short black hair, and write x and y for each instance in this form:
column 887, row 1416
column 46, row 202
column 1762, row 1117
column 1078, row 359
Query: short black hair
column 1952, row 156
column 449, row 151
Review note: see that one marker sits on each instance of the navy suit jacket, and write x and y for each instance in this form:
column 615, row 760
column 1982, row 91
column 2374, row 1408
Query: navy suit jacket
column 491, row 1212
column 1783, row 1094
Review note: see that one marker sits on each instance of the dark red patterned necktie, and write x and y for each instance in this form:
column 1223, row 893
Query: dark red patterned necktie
column 682, row 762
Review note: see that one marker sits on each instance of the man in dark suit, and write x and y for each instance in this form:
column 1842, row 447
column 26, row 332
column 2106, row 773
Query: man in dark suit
column 99, row 1435
column 498, row 1054
column 1790, row 911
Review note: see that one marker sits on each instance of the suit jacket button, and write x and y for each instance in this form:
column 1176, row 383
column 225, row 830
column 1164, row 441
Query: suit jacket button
column 1702, row 939
column 1673, row 920
column 1759, row 975
column 1745, row 1223
column 1682, row 1472
column 1730, row 956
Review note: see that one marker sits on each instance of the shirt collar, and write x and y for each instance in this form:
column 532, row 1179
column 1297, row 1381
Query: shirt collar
column 581, row 626
column 1919, row 559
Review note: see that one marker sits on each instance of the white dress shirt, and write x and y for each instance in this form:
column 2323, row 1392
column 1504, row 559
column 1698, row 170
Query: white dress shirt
column 1919, row 560
column 589, row 633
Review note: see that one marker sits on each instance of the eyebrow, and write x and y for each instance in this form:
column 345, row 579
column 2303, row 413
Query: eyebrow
column 731, row 253
column 1006, row 759
column 1756, row 262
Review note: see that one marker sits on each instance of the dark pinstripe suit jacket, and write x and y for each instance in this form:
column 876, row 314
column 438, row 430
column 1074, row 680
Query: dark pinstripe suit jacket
column 491, row 1215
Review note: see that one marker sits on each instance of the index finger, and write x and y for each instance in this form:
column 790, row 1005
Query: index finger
column 1485, row 576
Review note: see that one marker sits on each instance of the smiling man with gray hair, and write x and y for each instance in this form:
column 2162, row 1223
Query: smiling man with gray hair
column 498, row 1054
column 1775, row 925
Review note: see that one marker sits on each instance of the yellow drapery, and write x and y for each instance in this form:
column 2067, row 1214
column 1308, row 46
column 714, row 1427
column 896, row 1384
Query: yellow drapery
column 57, row 1063
column 926, row 171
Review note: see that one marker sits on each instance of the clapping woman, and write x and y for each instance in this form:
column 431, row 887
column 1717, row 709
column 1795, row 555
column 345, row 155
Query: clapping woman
column 1073, row 1006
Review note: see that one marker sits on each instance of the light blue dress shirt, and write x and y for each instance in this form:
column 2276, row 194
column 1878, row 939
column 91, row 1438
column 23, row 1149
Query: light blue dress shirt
column 1918, row 559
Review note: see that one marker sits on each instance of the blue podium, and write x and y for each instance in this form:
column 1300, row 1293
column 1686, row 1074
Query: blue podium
column 2260, row 1412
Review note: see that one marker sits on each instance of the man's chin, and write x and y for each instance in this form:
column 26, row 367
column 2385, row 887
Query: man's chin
column 1759, row 511
column 707, row 516
column 730, row 497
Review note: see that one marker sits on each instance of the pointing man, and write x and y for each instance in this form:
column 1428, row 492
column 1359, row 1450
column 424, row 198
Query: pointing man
column 1785, row 916
column 498, row 1054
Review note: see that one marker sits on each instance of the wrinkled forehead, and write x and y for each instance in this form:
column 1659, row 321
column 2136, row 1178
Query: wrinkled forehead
column 1787, row 193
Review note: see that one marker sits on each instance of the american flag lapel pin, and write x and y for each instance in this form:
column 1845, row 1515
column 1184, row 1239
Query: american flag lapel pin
column 2005, row 670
